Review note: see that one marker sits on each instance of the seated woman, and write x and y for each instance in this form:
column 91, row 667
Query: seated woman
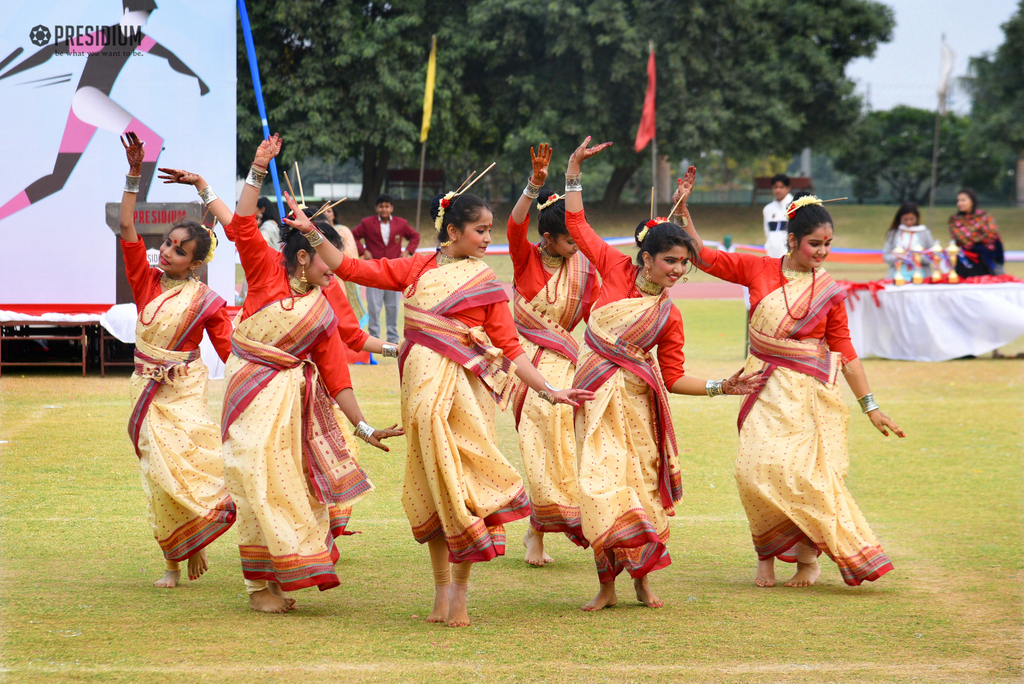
column 976, row 234
column 906, row 233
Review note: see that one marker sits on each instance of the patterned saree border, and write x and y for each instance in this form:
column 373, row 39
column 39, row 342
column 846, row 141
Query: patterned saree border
column 199, row 532
column 291, row 571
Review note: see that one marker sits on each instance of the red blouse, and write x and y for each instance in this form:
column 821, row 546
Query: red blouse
column 145, row 283
column 398, row 274
column 530, row 275
column 618, row 278
column 763, row 275
column 268, row 282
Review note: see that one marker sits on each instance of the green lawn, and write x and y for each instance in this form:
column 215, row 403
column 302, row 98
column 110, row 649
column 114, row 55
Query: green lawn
column 77, row 558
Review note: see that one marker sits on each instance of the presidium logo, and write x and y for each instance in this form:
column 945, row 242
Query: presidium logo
column 87, row 35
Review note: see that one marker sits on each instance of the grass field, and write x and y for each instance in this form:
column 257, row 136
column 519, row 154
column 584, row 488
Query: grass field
column 77, row 559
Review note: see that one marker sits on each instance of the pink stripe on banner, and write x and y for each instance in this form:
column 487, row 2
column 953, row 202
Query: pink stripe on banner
column 14, row 205
column 147, row 44
column 77, row 134
column 153, row 141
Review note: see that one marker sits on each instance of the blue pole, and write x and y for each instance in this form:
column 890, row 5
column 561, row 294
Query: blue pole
column 250, row 50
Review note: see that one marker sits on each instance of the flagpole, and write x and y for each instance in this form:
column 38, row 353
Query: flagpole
column 654, row 153
column 942, row 93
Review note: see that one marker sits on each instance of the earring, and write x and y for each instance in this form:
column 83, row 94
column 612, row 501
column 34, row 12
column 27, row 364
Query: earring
column 303, row 278
column 446, row 243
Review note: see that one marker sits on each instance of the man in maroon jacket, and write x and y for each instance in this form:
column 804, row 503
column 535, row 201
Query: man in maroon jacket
column 383, row 234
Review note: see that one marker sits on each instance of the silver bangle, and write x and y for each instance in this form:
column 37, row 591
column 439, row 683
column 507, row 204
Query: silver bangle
column 315, row 238
column 207, row 195
column 255, row 177
column 572, row 182
column 131, row 183
column 715, row 388
column 364, row 431
column 868, row 403
column 389, row 351
column 531, row 190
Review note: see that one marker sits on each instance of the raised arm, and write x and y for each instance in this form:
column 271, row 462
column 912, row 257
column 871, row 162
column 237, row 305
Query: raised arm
column 540, row 161
column 213, row 203
column 593, row 247
column 681, row 212
column 133, row 148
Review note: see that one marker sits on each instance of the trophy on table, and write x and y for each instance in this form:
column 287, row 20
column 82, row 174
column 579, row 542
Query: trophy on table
column 935, row 255
column 951, row 256
column 918, row 276
column 905, row 261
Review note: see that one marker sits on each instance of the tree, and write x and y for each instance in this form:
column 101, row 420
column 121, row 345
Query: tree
column 895, row 147
column 748, row 77
column 996, row 83
column 345, row 79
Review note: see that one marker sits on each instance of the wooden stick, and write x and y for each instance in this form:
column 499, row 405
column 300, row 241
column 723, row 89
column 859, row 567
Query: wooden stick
column 837, row 199
column 652, row 201
column 326, row 207
column 298, row 176
column 289, row 182
column 464, row 182
column 482, row 174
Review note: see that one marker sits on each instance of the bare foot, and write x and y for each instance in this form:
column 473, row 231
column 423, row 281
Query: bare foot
column 644, row 594
column 440, row 611
column 169, row 580
column 806, row 575
column 605, row 598
column 275, row 589
column 197, row 564
column 266, row 601
column 458, row 613
column 765, row 573
column 534, row 543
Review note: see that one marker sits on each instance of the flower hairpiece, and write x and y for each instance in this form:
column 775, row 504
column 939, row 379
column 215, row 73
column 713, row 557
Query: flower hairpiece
column 804, row 201
column 446, row 202
column 549, row 201
column 650, row 224
column 213, row 245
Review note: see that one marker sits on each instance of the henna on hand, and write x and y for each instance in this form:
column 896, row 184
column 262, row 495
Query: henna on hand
column 540, row 163
column 134, row 150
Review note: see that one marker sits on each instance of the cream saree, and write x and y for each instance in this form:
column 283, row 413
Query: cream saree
column 288, row 464
column 457, row 484
column 628, row 464
column 793, row 456
column 175, row 437
column 546, row 432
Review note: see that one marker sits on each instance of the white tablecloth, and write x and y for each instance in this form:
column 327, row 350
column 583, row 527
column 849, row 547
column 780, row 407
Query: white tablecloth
column 935, row 322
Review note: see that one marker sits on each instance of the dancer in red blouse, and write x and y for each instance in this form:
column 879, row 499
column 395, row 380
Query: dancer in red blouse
column 460, row 351
column 793, row 459
column 287, row 462
column 555, row 287
column 629, row 468
column 176, row 440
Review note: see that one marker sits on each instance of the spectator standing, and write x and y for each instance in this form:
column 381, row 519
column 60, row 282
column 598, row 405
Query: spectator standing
column 382, row 234
column 775, row 220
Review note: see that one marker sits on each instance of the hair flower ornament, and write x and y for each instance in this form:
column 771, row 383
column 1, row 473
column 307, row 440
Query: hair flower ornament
column 550, row 200
column 213, row 245
column 650, row 224
column 806, row 201
column 446, row 201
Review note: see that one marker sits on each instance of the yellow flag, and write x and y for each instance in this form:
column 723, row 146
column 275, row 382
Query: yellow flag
column 428, row 96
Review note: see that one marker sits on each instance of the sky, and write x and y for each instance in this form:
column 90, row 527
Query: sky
column 906, row 69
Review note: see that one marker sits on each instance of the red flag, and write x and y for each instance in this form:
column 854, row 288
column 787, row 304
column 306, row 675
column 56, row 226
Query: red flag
column 645, row 133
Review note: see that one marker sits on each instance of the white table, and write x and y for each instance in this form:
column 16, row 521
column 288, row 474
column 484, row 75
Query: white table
column 935, row 322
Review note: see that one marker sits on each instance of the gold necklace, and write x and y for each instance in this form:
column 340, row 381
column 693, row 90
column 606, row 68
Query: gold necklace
column 647, row 286
column 444, row 260
column 169, row 283
column 299, row 286
column 552, row 261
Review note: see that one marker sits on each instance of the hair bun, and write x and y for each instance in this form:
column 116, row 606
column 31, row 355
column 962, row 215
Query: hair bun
column 435, row 206
column 544, row 195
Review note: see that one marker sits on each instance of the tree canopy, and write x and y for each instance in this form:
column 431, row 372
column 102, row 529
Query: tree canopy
column 747, row 77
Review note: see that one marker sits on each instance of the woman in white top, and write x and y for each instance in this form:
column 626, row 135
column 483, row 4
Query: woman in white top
column 906, row 232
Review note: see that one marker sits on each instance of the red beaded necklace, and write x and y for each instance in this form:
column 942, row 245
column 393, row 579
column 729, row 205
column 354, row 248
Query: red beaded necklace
column 814, row 275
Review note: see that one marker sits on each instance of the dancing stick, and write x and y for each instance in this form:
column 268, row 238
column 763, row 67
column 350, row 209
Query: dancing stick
column 482, row 174
column 299, row 177
column 326, row 207
column 676, row 206
column 464, row 182
column 289, row 182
